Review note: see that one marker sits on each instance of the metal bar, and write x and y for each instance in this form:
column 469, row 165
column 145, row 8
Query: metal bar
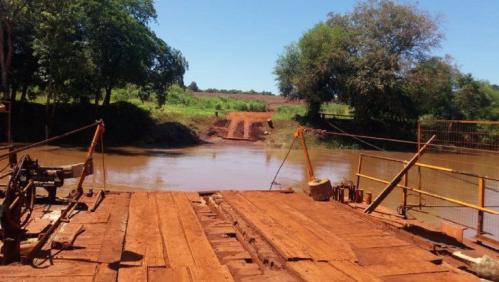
column 91, row 149
column 389, row 188
column 464, row 204
column 404, row 194
column 300, row 133
column 433, row 167
column 481, row 203
column 359, row 169
column 14, row 203
column 409, row 142
column 420, row 187
column 46, row 141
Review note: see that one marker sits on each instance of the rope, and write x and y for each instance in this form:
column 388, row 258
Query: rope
column 398, row 140
column 282, row 164
column 355, row 137
column 48, row 140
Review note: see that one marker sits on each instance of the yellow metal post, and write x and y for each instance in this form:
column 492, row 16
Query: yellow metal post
column 359, row 170
column 420, row 187
column 300, row 134
column 481, row 203
column 396, row 180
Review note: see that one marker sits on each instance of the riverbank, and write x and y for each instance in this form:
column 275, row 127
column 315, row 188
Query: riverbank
column 189, row 118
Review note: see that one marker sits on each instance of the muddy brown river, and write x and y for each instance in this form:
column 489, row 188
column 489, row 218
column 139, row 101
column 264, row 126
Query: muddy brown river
column 243, row 167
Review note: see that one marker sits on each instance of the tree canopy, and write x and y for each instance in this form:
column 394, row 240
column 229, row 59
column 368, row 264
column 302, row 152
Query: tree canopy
column 84, row 48
column 377, row 59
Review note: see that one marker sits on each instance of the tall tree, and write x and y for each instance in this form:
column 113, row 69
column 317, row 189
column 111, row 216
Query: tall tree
column 123, row 46
column 361, row 59
column 168, row 68
column 315, row 68
column 10, row 12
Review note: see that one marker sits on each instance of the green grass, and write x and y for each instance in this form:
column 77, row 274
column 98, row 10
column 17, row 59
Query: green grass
column 181, row 101
column 289, row 112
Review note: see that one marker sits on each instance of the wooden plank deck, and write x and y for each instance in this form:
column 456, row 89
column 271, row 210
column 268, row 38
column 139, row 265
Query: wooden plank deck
column 162, row 236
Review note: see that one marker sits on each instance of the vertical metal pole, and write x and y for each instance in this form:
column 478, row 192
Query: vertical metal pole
column 359, row 169
column 404, row 194
column 420, row 187
column 98, row 131
column 300, row 132
column 481, row 203
column 419, row 135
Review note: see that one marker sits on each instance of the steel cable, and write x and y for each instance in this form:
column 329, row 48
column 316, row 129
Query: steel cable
column 282, row 164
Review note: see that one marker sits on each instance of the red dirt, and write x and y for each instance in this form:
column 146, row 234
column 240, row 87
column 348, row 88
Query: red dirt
column 253, row 124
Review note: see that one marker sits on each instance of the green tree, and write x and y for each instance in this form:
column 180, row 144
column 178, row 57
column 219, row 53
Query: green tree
column 121, row 43
column 430, row 86
column 390, row 39
column 11, row 12
column 470, row 98
column 361, row 58
column 314, row 69
column 193, row 86
column 168, row 68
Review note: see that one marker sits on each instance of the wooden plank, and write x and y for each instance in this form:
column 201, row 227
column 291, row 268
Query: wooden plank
column 375, row 242
column 316, row 271
column 179, row 274
column 154, row 248
column 132, row 273
column 56, row 270
column 332, row 216
column 354, row 270
column 144, row 244
column 439, row 276
column 175, row 243
column 404, row 268
column 393, row 255
column 87, row 278
column 287, row 246
column 323, row 244
column 92, row 217
column 110, row 255
column 206, row 261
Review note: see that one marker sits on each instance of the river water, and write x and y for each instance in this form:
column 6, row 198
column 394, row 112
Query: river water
column 244, row 167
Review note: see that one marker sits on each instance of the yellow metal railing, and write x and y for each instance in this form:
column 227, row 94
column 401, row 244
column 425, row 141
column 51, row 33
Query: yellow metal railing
column 479, row 206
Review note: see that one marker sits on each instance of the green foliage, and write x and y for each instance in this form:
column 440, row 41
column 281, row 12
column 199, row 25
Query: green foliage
column 181, row 101
column 314, row 69
column 360, row 58
column 430, row 86
column 292, row 112
column 471, row 100
column 193, row 87
column 73, row 50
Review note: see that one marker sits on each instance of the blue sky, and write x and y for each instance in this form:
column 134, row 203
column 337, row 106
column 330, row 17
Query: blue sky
column 235, row 43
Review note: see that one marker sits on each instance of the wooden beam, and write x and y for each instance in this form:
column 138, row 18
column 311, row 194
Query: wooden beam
column 389, row 188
